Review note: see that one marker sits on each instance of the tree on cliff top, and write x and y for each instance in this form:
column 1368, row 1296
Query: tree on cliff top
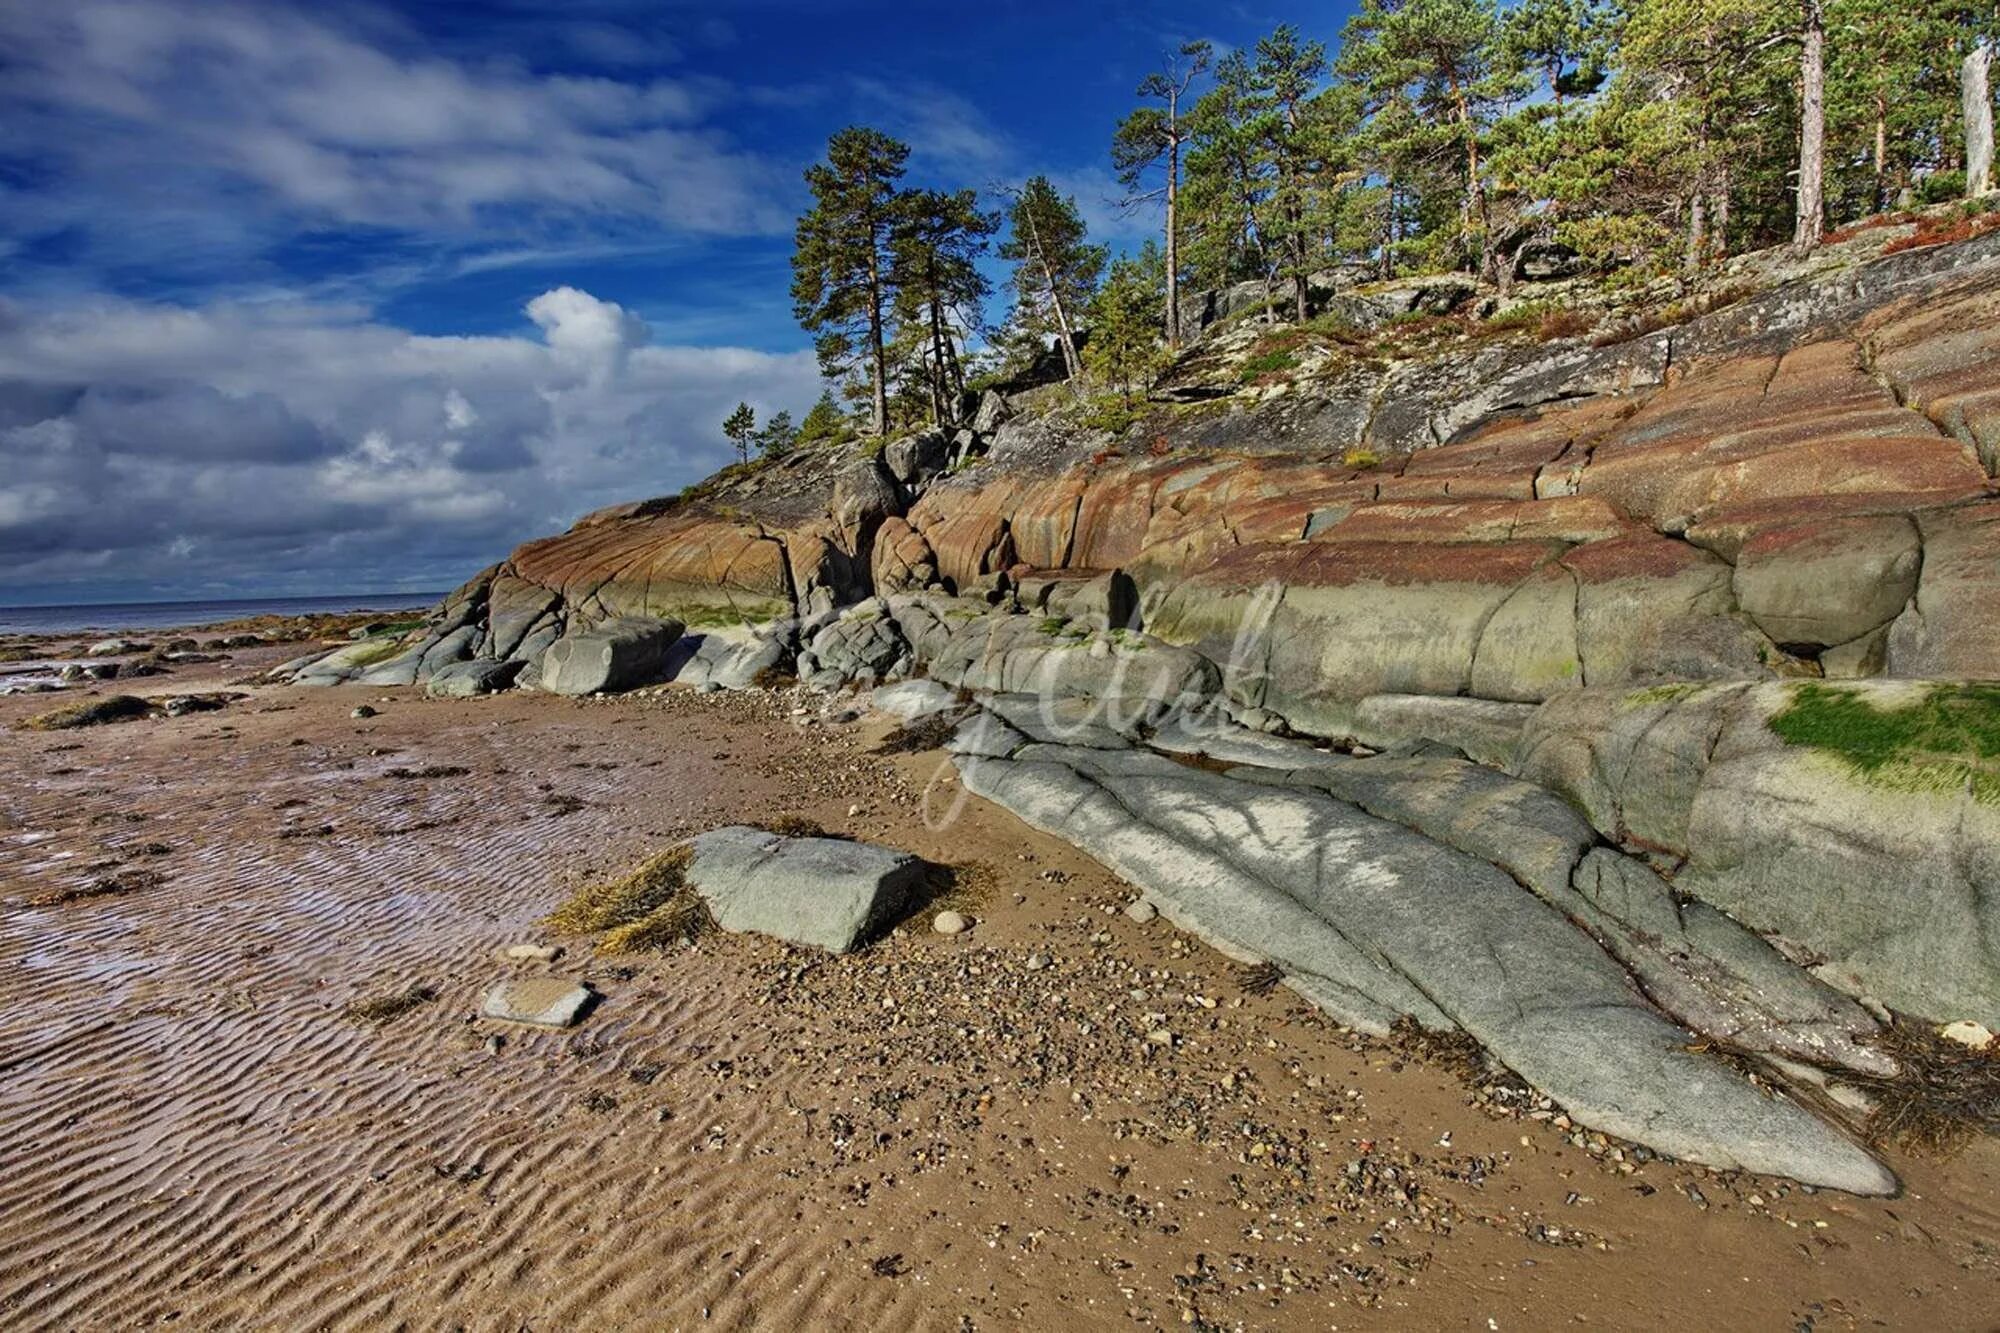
column 741, row 427
column 841, row 267
column 1124, row 345
column 935, row 251
column 1157, row 136
column 1055, row 268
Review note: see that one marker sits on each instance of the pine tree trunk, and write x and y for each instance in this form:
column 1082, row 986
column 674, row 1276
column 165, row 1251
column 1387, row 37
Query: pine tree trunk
column 1812, row 129
column 1718, row 227
column 1881, row 152
column 1976, row 89
column 1173, row 226
column 1072, row 366
column 878, row 353
column 1697, row 244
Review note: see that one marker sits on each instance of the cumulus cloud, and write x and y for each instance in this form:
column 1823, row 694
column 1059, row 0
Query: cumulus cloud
column 309, row 446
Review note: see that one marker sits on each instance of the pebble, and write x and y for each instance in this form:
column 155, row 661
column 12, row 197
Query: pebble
column 1967, row 1033
column 363, row 711
column 1037, row 961
column 532, row 953
column 950, row 923
column 1160, row 1037
column 1141, row 911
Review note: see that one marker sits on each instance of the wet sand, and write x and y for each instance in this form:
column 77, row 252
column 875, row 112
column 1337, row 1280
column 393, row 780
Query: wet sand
column 934, row 1133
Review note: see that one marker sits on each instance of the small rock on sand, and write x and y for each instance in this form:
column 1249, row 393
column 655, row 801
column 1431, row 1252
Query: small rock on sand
column 1141, row 911
column 363, row 711
column 531, row 953
column 1968, row 1033
column 950, row 923
column 546, row 1002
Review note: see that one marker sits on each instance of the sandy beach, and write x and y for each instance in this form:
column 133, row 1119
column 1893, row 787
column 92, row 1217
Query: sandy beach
column 978, row 1131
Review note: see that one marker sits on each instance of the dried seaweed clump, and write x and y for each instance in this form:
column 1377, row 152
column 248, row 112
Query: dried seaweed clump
column 1943, row 1096
column 383, row 1008
column 921, row 736
column 89, row 713
column 649, row 908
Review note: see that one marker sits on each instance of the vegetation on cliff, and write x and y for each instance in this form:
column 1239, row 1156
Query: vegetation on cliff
column 1502, row 139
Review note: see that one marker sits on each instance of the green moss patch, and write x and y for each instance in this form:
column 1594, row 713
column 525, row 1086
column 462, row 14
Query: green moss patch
column 1948, row 739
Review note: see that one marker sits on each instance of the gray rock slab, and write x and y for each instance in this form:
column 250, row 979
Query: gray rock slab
column 1380, row 921
column 908, row 700
column 616, row 655
column 822, row 892
column 482, row 675
column 543, row 1002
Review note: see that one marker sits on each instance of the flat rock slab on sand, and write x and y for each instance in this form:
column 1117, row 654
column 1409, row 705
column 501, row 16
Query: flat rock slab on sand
column 543, row 1002
column 821, row 892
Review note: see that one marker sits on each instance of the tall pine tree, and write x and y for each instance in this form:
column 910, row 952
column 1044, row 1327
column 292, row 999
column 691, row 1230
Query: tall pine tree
column 1157, row 136
column 1055, row 267
column 841, row 266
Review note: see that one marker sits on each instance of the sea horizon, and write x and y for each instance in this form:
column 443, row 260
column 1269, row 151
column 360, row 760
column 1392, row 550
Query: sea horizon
column 196, row 612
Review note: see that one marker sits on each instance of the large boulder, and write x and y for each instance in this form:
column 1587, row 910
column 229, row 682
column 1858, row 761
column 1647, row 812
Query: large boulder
column 1857, row 822
column 1821, row 584
column 824, row 893
column 617, row 655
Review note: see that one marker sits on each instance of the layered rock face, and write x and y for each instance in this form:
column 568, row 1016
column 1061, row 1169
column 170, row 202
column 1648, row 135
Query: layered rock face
column 1673, row 643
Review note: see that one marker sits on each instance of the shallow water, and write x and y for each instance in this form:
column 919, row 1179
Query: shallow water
column 188, row 615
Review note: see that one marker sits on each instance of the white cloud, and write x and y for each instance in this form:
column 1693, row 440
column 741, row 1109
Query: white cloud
column 150, row 115
column 308, row 445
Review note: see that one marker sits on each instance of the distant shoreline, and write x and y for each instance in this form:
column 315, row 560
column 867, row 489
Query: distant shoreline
column 197, row 613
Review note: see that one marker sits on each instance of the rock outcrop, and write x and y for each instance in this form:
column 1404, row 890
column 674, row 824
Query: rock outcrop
column 1592, row 696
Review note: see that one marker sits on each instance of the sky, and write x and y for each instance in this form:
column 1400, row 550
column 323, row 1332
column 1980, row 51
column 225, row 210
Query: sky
column 317, row 299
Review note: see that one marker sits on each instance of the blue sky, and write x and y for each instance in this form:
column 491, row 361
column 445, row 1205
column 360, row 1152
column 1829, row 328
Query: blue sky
column 329, row 298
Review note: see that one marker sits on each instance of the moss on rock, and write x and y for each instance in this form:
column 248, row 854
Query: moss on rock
column 1946, row 738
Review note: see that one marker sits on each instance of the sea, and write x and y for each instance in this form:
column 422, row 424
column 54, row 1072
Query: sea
column 193, row 615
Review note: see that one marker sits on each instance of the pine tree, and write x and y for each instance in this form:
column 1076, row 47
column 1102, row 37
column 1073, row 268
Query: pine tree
column 841, row 281
column 1157, row 136
column 1226, row 184
column 778, row 436
column 741, row 428
column 1448, row 59
column 935, row 251
column 824, row 422
column 1124, row 323
column 1055, row 268
column 1296, row 139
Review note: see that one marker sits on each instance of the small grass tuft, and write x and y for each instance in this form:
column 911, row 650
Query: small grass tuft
column 797, row 826
column 384, row 1008
column 649, row 908
column 965, row 889
column 1947, row 740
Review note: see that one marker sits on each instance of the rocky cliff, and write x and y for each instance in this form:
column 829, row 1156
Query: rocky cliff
column 1672, row 628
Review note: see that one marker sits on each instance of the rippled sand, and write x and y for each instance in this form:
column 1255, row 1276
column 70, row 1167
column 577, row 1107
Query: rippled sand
column 930, row 1134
